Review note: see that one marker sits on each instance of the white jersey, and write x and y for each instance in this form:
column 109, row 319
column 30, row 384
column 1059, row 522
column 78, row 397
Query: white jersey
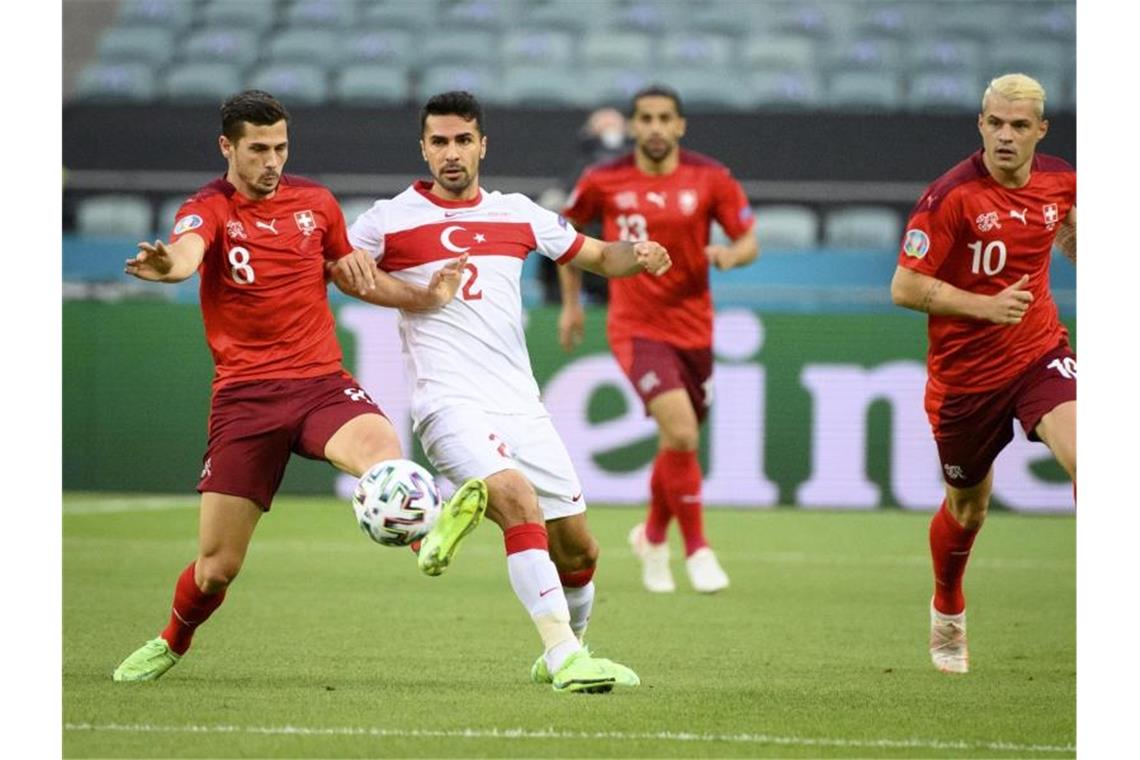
column 473, row 350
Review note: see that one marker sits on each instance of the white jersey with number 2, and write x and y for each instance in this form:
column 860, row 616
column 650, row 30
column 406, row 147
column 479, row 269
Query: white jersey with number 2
column 473, row 350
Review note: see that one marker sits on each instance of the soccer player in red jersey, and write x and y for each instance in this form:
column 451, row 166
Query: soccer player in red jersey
column 660, row 329
column 261, row 241
column 975, row 257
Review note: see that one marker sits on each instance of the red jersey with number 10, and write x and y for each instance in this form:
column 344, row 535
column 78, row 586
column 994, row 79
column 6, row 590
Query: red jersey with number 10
column 263, row 291
column 675, row 210
column 977, row 235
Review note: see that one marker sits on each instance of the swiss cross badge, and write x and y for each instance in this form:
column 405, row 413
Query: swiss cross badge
column 1049, row 211
column 306, row 222
column 688, row 201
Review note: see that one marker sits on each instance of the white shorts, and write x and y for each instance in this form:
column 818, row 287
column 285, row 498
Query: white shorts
column 464, row 442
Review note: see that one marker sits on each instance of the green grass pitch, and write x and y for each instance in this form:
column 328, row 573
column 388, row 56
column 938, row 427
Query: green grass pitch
column 331, row 646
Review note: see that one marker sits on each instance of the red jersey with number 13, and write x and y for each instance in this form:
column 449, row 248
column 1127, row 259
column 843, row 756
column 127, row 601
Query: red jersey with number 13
column 263, row 291
column 976, row 235
column 675, row 210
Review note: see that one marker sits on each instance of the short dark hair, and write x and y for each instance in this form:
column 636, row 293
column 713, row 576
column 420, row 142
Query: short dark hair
column 253, row 106
column 455, row 103
column 656, row 90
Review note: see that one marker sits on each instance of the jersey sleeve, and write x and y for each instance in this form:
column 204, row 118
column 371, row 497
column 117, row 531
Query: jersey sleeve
column 367, row 232
column 585, row 202
column 730, row 206
column 196, row 215
column 337, row 244
column 930, row 233
column 553, row 235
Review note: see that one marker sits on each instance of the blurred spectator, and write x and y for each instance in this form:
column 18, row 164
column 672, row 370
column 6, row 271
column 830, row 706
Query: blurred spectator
column 602, row 137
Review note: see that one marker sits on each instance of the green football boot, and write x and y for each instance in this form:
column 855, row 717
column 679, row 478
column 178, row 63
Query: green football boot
column 585, row 673
column 148, row 662
column 460, row 515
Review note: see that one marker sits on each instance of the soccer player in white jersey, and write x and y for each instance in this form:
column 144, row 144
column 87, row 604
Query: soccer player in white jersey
column 475, row 403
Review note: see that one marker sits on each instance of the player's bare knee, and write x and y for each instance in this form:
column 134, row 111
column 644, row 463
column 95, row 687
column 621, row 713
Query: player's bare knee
column 511, row 500
column 215, row 573
column 968, row 510
column 681, row 437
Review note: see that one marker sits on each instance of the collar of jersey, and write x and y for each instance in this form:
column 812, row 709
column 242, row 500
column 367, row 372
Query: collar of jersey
column 423, row 187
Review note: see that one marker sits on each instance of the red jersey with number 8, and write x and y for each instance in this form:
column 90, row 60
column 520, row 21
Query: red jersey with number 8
column 263, row 290
column 675, row 210
column 976, row 235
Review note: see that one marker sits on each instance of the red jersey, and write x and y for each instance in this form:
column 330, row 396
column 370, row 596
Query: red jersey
column 979, row 236
column 675, row 210
column 263, row 290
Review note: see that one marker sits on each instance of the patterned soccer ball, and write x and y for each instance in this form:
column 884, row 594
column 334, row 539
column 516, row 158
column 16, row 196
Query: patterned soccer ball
column 396, row 502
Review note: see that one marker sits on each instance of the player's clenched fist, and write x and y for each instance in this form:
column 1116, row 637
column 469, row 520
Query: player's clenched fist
column 653, row 257
column 1009, row 306
column 356, row 271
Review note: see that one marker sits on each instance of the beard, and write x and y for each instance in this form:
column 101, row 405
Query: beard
column 657, row 152
column 455, row 184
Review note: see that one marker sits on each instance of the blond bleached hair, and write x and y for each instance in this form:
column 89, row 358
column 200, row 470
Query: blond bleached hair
column 1017, row 87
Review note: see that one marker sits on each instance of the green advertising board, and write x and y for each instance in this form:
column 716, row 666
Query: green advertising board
column 814, row 410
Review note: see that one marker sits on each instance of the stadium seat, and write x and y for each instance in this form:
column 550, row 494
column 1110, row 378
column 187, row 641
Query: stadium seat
column 804, row 19
column 785, row 89
column 365, row 84
column 1038, row 59
column 652, row 18
column 114, row 214
column 786, row 226
column 868, row 227
column 602, row 48
column 569, row 15
column 199, row 82
column 865, row 54
column 1058, row 23
column 116, row 82
column 310, row 14
column 398, row 14
column 487, row 15
column 944, row 92
column 982, row 23
column 534, row 86
column 704, row 89
column 886, row 20
column 150, row 45
column 720, row 18
column 614, row 86
column 221, row 45
column 957, row 54
column 352, row 208
column 459, row 47
column 864, row 90
column 293, row 83
column 171, row 15
column 255, row 15
column 321, row 47
column 703, row 50
column 481, row 81
column 538, row 47
column 771, row 53
column 380, row 46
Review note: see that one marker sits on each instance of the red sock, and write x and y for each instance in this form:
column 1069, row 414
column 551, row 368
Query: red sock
column 657, row 521
column 190, row 609
column 681, row 477
column 950, row 549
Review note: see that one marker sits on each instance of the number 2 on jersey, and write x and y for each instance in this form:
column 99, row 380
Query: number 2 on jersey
column 240, row 268
column 469, row 292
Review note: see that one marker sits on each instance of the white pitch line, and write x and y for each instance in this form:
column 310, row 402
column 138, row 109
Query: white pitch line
column 550, row 733
column 129, row 504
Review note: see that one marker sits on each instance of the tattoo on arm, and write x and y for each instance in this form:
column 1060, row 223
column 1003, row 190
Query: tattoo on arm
column 928, row 297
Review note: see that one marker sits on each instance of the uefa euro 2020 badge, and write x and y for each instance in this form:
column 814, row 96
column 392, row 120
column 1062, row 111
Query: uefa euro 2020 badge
column 916, row 243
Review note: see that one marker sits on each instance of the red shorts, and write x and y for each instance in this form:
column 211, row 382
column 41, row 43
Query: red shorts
column 255, row 425
column 655, row 367
column 972, row 428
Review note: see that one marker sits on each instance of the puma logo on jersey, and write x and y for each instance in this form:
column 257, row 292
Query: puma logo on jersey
column 658, row 199
column 207, row 470
column 648, row 381
column 1017, row 215
column 271, row 225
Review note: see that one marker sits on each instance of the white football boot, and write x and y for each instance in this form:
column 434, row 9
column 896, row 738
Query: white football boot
column 705, row 572
column 655, row 572
column 948, row 649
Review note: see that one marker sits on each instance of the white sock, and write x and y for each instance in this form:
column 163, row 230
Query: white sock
column 580, row 599
column 537, row 585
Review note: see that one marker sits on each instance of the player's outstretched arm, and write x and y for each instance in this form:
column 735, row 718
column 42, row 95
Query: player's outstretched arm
column 924, row 293
column 741, row 252
column 572, row 320
column 397, row 294
column 622, row 258
column 167, row 262
column 1067, row 236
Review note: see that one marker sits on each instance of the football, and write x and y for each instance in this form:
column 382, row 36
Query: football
column 396, row 502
